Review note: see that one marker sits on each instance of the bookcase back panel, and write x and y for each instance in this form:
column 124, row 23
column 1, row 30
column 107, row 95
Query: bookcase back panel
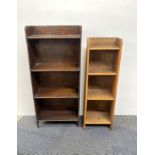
column 103, row 58
column 58, row 104
column 99, row 105
column 56, row 51
column 57, row 79
column 104, row 82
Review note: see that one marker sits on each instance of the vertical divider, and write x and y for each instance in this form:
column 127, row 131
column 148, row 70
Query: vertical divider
column 116, row 82
column 79, row 89
column 27, row 31
column 86, row 83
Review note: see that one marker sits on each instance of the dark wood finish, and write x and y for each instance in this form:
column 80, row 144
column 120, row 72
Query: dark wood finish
column 57, row 79
column 54, row 60
column 57, row 109
column 57, row 115
column 46, row 36
column 53, row 30
column 53, row 51
column 56, row 92
column 102, row 72
column 55, row 67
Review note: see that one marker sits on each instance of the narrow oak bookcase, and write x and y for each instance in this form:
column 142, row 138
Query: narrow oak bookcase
column 102, row 72
column 54, row 59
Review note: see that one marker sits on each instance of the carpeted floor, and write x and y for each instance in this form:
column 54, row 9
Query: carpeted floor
column 68, row 139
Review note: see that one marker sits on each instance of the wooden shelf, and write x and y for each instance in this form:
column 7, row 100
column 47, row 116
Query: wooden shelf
column 53, row 36
column 96, row 93
column 100, row 69
column 57, row 92
column 106, row 47
column 49, row 67
column 57, row 115
column 97, row 117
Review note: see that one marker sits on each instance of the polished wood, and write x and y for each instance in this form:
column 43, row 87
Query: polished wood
column 98, row 68
column 61, row 51
column 97, row 117
column 58, row 109
column 57, row 115
column 96, row 93
column 54, row 61
column 103, row 61
column 100, row 88
column 102, row 72
column 104, row 47
column 49, row 67
column 117, row 66
column 46, row 36
column 58, row 104
column 57, row 92
column 103, row 44
column 98, row 112
column 53, row 30
column 86, row 85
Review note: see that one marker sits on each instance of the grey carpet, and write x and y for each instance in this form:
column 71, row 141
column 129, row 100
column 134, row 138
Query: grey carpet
column 68, row 139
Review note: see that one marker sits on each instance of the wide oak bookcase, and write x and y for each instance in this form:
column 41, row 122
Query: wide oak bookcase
column 54, row 60
column 102, row 72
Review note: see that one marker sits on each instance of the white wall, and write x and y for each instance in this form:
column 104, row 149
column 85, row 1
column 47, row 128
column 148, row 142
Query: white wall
column 98, row 18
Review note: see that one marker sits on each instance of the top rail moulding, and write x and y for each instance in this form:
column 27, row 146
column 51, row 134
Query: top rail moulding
column 103, row 43
column 54, row 32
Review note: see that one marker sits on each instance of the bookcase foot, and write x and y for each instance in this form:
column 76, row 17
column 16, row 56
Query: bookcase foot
column 78, row 123
column 37, row 124
column 84, row 126
column 111, row 126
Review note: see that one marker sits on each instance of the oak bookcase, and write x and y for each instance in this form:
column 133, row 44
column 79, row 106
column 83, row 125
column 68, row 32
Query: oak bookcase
column 102, row 72
column 54, row 60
